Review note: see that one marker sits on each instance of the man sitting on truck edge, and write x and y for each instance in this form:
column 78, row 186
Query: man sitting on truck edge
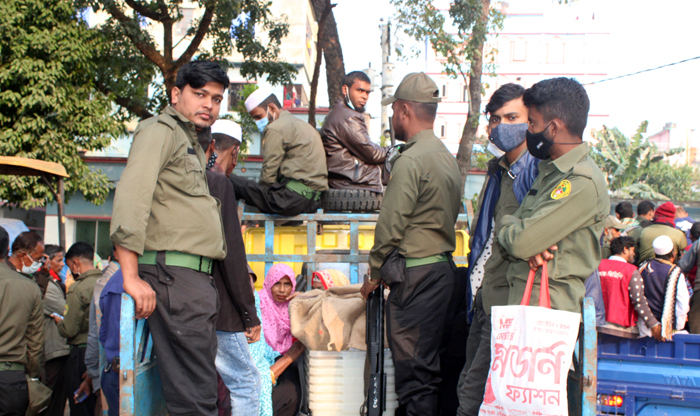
column 509, row 179
column 659, row 275
column 294, row 165
column 354, row 161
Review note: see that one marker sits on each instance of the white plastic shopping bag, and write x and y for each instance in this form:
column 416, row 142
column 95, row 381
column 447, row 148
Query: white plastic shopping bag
column 531, row 351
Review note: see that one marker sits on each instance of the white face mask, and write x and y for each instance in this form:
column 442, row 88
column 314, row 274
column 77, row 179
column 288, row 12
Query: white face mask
column 494, row 150
column 36, row 265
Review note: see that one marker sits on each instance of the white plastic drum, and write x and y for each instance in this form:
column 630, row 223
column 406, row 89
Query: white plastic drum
column 337, row 386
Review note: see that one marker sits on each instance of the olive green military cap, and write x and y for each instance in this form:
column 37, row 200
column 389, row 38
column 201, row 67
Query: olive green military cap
column 417, row 87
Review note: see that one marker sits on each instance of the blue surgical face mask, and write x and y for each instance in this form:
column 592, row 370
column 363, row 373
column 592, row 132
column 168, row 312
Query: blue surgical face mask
column 508, row 137
column 263, row 122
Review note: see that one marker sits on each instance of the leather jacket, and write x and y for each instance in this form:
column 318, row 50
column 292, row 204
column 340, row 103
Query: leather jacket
column 353, row 160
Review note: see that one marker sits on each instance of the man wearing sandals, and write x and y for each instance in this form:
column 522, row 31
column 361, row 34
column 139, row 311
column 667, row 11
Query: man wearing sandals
column 562, row 217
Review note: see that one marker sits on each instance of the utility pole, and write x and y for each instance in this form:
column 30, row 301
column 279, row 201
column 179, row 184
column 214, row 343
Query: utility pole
column 387, row 71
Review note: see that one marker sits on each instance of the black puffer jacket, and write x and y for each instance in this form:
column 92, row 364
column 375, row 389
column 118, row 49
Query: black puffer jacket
column 353, row 160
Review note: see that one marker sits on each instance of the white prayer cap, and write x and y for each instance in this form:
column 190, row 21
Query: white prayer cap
column 663, row 245
column 227, row 127
column 257, row 97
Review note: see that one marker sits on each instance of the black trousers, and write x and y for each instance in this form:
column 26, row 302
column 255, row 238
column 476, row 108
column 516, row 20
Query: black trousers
column 55, row 372
column 419, row 314
column 183, row 327
column 286, row 394
column 275, row 199
column 14, row 396
column 472, row 381
column 75, row 370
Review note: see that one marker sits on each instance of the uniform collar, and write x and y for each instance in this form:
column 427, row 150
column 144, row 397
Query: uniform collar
column 421, row 135
column 567, row 161
column 283, row 113
column 190, row 129
column 617, row 258
column 89, row 273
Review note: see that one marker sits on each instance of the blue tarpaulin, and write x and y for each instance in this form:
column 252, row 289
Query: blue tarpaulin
column 14, row 228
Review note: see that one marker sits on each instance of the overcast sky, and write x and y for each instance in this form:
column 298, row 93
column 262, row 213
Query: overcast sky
column 643, row 34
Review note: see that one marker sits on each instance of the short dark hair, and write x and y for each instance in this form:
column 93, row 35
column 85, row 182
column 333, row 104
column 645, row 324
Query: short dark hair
column 502, row 95
column 224, row 141
column 645, row 207
column 196, row 74
column 625, row 210
column 424, row 111
column 51, row 250
column 353, row 76
column 204, row 137
column 27, row 242
column 562, row 98
column 81, row 250
column 271, row 99
column 618, row 245
column 695, row 231
column 4, row 243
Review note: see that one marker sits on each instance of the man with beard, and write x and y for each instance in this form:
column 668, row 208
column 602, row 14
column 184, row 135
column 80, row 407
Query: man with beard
column 294, row 167
column 167, row 231
column 237, row 324
column 353, row 160
column 413, row 242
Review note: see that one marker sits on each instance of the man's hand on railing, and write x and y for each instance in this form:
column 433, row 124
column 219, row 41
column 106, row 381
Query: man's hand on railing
column 143, row 294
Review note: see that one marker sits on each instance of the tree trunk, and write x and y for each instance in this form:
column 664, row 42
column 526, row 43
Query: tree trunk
column 464, row 153
column 327, row 9
column 332, row 52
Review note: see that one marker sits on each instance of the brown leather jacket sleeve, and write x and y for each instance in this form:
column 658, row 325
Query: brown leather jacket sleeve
column 355, row 137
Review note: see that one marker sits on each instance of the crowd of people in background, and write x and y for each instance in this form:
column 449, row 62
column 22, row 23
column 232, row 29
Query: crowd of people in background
column 647, row 278
column 225, row 348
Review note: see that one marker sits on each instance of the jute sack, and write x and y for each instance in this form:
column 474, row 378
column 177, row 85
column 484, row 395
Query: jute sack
column 332, row 320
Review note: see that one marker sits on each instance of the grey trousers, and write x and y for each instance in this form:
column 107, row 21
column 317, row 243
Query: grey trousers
column 472, row 381
column 183, row 327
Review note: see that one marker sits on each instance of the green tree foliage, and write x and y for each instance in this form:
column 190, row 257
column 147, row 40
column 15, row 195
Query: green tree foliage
column 679, row 183
column 138, row 71
column 48, row 106
column 472, row 20
column 629, row 164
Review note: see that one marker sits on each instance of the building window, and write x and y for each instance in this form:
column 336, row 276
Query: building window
column 555, row 51
column 235, row 94
column 95, row 233
column 440, row 127
column 503, row 50
column 520, row 50
column 183, row 25
column 465, row 93
column 444, row 90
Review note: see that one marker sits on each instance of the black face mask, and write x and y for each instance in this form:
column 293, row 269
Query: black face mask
column 538, row 145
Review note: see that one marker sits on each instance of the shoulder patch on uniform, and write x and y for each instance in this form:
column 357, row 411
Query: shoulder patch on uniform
column 167, row 120
column 562, row 190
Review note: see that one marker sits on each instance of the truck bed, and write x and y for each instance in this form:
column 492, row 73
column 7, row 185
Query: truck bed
column 652, row 378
